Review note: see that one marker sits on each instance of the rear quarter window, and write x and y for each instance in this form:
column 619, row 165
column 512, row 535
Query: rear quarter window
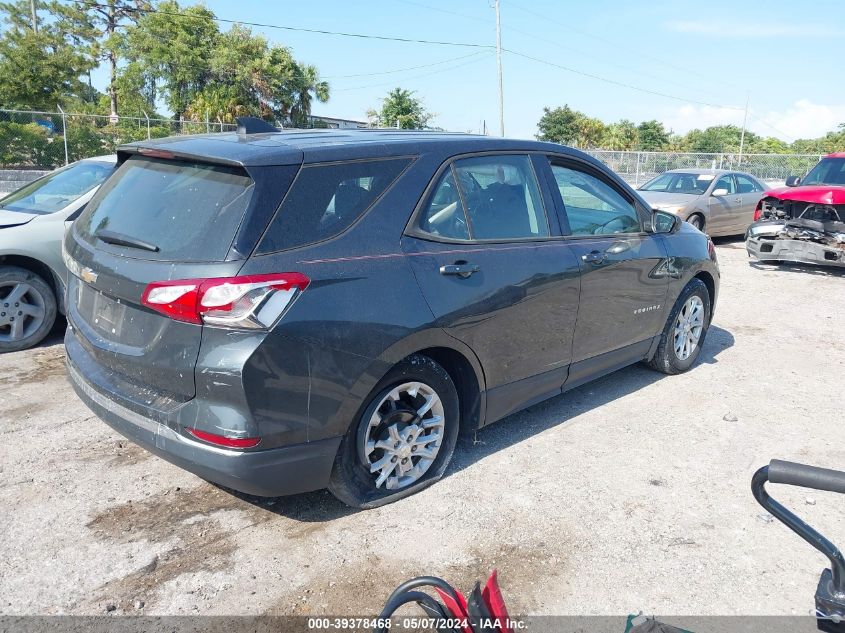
column 326, row 199
column 190, row 211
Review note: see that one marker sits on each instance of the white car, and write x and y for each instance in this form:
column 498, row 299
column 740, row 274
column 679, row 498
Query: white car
column 33, row 220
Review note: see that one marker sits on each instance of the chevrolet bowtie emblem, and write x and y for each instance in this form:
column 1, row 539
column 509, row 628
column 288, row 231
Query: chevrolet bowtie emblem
column 87, row 275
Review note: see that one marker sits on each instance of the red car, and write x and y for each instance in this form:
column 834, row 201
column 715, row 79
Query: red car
column 804, row 221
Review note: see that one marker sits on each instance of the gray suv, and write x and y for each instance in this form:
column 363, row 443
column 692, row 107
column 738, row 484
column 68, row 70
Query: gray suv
column 280, row 312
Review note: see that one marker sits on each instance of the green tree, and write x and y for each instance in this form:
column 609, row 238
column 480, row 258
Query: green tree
column 95, row 24
column 400, row 106
column 250, row 77
column 652, row 136
column 39, row 70
column 172, row 54
column 559, row 125
column 622, row 135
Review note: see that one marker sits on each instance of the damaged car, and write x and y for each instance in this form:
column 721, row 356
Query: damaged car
column 803, row 222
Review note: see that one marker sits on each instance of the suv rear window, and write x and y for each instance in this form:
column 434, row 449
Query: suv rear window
column 189, row 210
column 327, row 199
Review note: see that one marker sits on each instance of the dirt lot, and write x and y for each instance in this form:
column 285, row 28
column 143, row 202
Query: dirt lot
column 628, row 494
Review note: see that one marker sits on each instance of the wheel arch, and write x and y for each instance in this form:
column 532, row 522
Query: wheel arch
column 710, row 282
column 459, row 361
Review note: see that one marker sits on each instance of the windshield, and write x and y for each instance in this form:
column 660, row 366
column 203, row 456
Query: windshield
column 58, row 189
column 829, row 171
column 676, row 182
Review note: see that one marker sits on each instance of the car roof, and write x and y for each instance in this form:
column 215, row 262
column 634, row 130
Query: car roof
column 290, row 147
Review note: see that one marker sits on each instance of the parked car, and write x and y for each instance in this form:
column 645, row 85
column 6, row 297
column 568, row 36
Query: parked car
column 284, row 312
column 32, row 225
column 804, row 221
column 716, row 201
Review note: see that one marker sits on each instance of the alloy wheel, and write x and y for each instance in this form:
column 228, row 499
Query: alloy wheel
column 403, row 435
column 22, row 311
column 688, row 327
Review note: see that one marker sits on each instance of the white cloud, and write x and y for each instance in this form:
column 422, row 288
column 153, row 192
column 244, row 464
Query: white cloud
column 803, row 119
column 744, row 31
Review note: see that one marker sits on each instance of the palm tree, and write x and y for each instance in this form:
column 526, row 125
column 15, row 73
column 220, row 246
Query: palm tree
column 307, row 86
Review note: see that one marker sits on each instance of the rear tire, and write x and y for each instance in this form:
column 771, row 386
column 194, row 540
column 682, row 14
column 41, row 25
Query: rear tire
column 685, row 330
column 402, row 440
column 27, row 309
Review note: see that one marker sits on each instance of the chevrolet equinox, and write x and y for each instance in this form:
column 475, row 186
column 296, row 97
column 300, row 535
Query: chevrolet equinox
column 280, row 312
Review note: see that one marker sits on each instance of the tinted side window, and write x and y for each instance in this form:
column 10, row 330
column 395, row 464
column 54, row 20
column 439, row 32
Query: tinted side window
column 593, row 206
column 325, row 200
column 444, row 215
column 725, row 182
column 746, row 185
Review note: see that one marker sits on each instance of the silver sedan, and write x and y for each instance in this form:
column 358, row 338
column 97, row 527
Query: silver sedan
column 717, row 201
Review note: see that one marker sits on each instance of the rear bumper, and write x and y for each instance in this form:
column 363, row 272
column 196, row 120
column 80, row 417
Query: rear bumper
column 267, row 473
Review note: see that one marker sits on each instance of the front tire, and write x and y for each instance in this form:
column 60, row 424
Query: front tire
column 403, row 439
column 685, row 330
column 27, row 309
column 697, row 221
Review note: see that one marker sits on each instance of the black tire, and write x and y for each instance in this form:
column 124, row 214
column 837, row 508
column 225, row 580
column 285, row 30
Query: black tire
column 351, row 481
column 39, row 294
column 697, row 220
column 665, row 358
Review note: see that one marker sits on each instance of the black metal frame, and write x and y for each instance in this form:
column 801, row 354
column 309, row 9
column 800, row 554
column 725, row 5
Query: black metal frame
column 830, row 593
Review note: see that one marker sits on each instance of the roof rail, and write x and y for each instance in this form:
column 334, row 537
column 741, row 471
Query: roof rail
column 254, row 125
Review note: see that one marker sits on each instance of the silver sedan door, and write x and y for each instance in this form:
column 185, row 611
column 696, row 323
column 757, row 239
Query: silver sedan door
column 723, row 207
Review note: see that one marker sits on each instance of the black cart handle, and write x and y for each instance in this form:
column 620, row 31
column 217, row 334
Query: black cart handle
column 809, row 477
column 793, row 474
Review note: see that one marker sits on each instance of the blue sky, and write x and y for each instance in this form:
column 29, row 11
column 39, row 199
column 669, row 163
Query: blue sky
column 786, row 60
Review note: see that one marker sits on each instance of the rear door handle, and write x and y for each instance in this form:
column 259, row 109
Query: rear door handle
column 460, row 268
column 594, row 257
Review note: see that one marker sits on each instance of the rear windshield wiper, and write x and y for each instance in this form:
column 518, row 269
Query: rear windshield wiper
column 119, row 239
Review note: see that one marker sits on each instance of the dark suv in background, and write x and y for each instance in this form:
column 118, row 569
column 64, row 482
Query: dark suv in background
column 283, row 312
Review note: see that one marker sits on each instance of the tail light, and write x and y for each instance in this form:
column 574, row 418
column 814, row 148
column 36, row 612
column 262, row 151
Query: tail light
column 222, row 440
column 248, row 301
column 758, row 211
column 711, row 249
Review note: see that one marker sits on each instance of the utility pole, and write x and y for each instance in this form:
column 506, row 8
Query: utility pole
column 742, row 137
column 34, row 16
column 499, row 63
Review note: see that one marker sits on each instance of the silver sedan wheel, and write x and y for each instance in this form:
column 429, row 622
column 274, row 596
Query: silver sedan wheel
column 696, row 221
column 688, row 327
column 22, row 311
column 404, row 435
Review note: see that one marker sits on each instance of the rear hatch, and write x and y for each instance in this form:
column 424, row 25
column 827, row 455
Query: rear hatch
column 159, row 219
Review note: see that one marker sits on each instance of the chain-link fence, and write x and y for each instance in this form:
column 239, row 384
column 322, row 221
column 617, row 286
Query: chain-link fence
column 45, row 140
column 639, row 167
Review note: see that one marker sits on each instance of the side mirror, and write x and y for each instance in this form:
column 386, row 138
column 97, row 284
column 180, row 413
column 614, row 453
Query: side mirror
column 718, row 193
column 663, row 222
column 793, row 181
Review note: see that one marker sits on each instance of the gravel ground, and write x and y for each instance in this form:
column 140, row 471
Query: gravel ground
column 631, row 493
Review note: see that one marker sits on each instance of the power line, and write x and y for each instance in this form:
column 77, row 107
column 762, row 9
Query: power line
column 617, row 83
column 612, row 43
column 406, row 79
column 402, row 70
column 263, row 25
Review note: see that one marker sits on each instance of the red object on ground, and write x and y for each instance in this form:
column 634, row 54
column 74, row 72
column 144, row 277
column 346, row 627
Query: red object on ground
column 492, row 596
column 457, row 609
